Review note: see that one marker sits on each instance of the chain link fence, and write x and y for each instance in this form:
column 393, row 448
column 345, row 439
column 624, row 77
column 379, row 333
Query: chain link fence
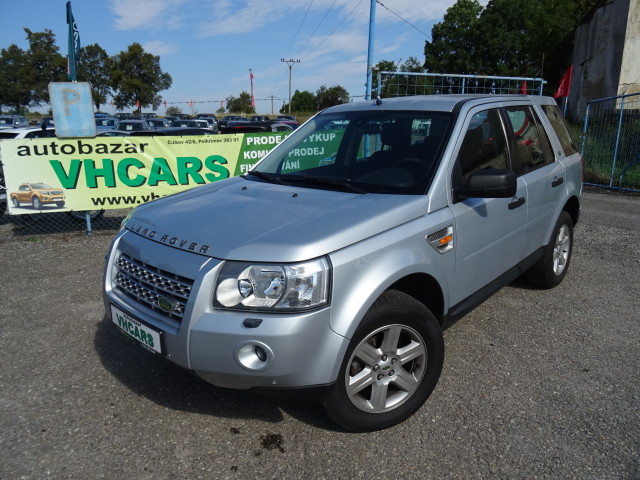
column 610, row 143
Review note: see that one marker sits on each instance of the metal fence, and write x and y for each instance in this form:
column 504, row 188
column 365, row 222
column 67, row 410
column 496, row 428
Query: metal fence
column 400, row 84
column 610, row 143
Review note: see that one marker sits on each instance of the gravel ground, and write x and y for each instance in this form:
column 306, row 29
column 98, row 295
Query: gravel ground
column 536, row 384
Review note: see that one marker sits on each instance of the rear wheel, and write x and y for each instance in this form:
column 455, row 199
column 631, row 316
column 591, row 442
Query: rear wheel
column 15, row 202
column 552, row 267
column 391, row 367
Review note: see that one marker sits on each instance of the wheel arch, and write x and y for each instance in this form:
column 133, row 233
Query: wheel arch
column 572, row 207
column 425, row 289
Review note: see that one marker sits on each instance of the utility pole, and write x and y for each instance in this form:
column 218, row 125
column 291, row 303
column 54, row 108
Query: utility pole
column 372, row 26
column 290, row 62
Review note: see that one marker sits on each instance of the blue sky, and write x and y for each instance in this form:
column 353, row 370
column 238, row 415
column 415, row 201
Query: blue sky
column 208, row 46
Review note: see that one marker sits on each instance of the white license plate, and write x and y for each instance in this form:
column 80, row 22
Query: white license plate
column 132, row 327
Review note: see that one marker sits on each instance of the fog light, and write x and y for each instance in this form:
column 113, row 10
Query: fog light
column 253, row 355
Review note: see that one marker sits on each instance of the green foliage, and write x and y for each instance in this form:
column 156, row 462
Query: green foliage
column 412, row 83
column 529, row 38
column 328, row 97
column 14, row 74
column 44, row 63
column 136, row 76
column 94, row 66
column 242, row 104
column 453, row 41
column 301, row 102
column 173, row 111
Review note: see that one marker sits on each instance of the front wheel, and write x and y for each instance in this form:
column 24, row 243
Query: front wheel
column 391, row 366
column 37, row 204
column 552, row 267
column 15, row 202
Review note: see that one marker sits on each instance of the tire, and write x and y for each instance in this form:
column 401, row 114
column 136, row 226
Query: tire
column 37, row 204
column 81, row 214
column 15, row 202
column 59, row 204
column 376, row 388
column 550, row 270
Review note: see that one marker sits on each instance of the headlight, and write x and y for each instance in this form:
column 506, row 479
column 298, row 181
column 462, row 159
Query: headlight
column 251, row 286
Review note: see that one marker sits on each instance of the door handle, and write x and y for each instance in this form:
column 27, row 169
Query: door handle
column 557, row 181
column 516, row 203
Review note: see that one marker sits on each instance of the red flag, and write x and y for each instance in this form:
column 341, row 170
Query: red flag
column 138, row 104
column 565, row 84
column 523, row 89
column 165, row 104
column 190, row 103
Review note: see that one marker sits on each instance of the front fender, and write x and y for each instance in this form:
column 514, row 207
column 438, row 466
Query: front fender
column 363, row 271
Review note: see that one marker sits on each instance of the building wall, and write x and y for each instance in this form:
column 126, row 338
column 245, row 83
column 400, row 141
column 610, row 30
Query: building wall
column 630, row 70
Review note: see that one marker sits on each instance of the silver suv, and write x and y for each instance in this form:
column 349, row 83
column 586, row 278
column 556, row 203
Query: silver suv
column 338, row 259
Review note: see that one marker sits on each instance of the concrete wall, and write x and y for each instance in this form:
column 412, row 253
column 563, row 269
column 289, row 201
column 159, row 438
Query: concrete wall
column 606, row 56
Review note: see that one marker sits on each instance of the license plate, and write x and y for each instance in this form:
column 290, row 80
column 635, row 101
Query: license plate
column 148, row 337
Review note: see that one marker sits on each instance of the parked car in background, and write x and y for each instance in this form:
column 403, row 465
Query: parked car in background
column 255, row 127
column 123, row 116
column 202, row 123
column 106, row 123
column 28, row 132
column 231, row 118
column 158, row 122
column 259, row 118
column 213, row 123
column 115, row 133
column 13, row 121
column 286, row 117
column 46, row 122
column 175, row 131
column 185, row 123
column 133, row 125
column 148, row 115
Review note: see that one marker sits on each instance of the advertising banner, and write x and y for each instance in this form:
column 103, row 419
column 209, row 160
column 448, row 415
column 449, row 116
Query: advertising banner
column 57, row 175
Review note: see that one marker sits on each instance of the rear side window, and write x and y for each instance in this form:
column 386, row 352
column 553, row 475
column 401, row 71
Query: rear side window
column 560, row 126
column 532, row 144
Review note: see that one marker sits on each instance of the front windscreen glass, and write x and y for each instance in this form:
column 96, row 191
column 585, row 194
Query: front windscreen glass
column 364, row 152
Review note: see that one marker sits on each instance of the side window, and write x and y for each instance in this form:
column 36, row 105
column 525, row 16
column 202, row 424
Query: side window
column 484, row 144
column 560, row 126
column 532, row 144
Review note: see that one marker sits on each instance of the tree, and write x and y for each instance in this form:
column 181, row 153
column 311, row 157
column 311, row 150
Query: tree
column 452, row 48
column 242, row 104
column 173, row 111
column 46, row 64
column 301, row 102
column 136, row 77
column 15, row 85
column 94, row 66
column 328, row 97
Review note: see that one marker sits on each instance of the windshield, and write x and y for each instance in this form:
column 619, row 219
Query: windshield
column 365, row 152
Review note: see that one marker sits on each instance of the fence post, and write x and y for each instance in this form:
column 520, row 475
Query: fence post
column 87, row 216
column 615, row 152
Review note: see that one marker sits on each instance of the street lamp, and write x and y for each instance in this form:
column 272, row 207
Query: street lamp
column 290, row 62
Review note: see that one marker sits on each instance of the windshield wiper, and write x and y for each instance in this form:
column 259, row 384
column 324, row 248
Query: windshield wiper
column 264, row 176
column 334, row 182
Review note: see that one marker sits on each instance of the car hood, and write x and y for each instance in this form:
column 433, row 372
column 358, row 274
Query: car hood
column 237, row 219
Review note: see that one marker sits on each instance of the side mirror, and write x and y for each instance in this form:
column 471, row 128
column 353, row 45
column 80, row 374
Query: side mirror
column 488, row 183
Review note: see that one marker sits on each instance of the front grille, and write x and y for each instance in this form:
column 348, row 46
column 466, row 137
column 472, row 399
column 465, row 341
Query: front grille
column 147, row 284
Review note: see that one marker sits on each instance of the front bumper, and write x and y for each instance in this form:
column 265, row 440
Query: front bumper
column 231, row 349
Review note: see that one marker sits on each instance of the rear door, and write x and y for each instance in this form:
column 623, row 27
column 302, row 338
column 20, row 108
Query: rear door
column 535, row 163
